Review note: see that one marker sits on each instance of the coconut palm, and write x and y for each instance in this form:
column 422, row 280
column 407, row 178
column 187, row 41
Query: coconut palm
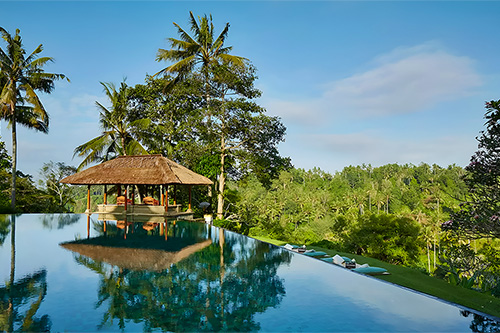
column 200, row 50
column 117, row 131
column 21, row 78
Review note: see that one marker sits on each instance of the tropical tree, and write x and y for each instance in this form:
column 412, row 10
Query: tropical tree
column 479, row 216
column 21, row 78
column 198, row 52
column 117, row 136
column 242, row 133
column 174, row 118
column 51, row 175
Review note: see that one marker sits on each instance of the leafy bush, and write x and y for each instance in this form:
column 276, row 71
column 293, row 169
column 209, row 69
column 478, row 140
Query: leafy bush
column 386, row 237
column 462, row 266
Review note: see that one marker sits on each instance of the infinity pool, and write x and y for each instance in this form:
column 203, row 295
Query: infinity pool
column 67, row 273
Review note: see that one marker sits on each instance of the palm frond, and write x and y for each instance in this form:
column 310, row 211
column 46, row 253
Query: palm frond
column 183, row 66
column 224, row 50
column 26, row 117
column 222, row 37
column 194, row 25
column 32, row 98
column 95, row 144
column 181, row 45
column 135, row 148
column 33, row 56
column 141, row 124
column 175, row 55
column 235, row 60
column 184, row 35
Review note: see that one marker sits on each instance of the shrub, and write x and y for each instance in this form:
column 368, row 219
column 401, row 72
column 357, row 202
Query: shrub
column 386, row 237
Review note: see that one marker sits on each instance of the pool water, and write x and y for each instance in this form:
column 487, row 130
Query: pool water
column 65, row 273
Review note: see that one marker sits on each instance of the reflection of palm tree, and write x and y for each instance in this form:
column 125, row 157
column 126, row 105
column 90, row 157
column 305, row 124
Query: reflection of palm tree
column 192, row 295
column 62, row 220
column 17, row 295
column 4, row 228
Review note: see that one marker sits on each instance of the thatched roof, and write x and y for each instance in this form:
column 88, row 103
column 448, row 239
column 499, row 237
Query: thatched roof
column 134, row 258
column 137, row 170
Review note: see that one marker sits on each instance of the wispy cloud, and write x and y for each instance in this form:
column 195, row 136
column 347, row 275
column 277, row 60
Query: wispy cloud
column 405, row 80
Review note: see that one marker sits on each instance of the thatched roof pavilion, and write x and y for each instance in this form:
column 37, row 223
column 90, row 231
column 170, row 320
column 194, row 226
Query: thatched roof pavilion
column 137, row 170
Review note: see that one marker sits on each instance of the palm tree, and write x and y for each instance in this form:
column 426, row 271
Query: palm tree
column 117, row 131
column 201, row 53
column 20, row 79
column 203, row 49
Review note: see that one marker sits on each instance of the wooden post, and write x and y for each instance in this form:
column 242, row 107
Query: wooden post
column 162, row 199
column 175, row 195
column 189, row 205
column 166, row 198
column 159, row 195
column 105, row 196
column 88, row 199
column 126, row 190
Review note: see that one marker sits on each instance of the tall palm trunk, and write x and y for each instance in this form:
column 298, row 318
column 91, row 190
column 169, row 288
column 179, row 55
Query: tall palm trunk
column 123, row 145
column 222, row 176
column 14, row 158
column 222, row 184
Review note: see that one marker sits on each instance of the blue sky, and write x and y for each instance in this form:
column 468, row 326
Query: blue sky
column 354, row 82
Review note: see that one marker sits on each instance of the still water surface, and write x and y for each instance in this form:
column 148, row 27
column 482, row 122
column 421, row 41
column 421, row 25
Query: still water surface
column 68, row 275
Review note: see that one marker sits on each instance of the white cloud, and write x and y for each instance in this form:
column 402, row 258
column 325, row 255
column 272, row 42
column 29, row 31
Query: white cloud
column 407, row 85
column 406, row 80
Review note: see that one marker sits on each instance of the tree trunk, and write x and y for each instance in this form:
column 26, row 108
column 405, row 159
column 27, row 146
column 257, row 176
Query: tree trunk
column 123, row 146
column 434, row 251
column 222, row 184
column 428, row 259
column 14, row 159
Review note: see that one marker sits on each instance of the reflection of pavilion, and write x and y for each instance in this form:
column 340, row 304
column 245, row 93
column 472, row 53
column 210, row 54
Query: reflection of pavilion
column 145, row 218
column 151, row 171
column 137, row 253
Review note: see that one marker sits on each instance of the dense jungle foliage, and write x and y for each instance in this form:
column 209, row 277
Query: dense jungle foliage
column 390, row 212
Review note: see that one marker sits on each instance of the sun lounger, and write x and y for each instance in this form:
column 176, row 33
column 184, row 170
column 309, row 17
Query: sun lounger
column 312, row 253
column 295, row 248
column 371, row 270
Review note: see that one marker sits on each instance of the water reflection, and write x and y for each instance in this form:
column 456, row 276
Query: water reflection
column 20, row 299
column 480, row 323
column 4, row 228
column 213, row 280
column 58, row 221
column 230, row 282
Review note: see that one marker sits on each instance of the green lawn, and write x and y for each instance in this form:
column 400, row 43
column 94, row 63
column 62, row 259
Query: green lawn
column 416, row 280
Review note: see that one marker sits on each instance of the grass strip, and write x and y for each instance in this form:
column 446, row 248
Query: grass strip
column 416, row 280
